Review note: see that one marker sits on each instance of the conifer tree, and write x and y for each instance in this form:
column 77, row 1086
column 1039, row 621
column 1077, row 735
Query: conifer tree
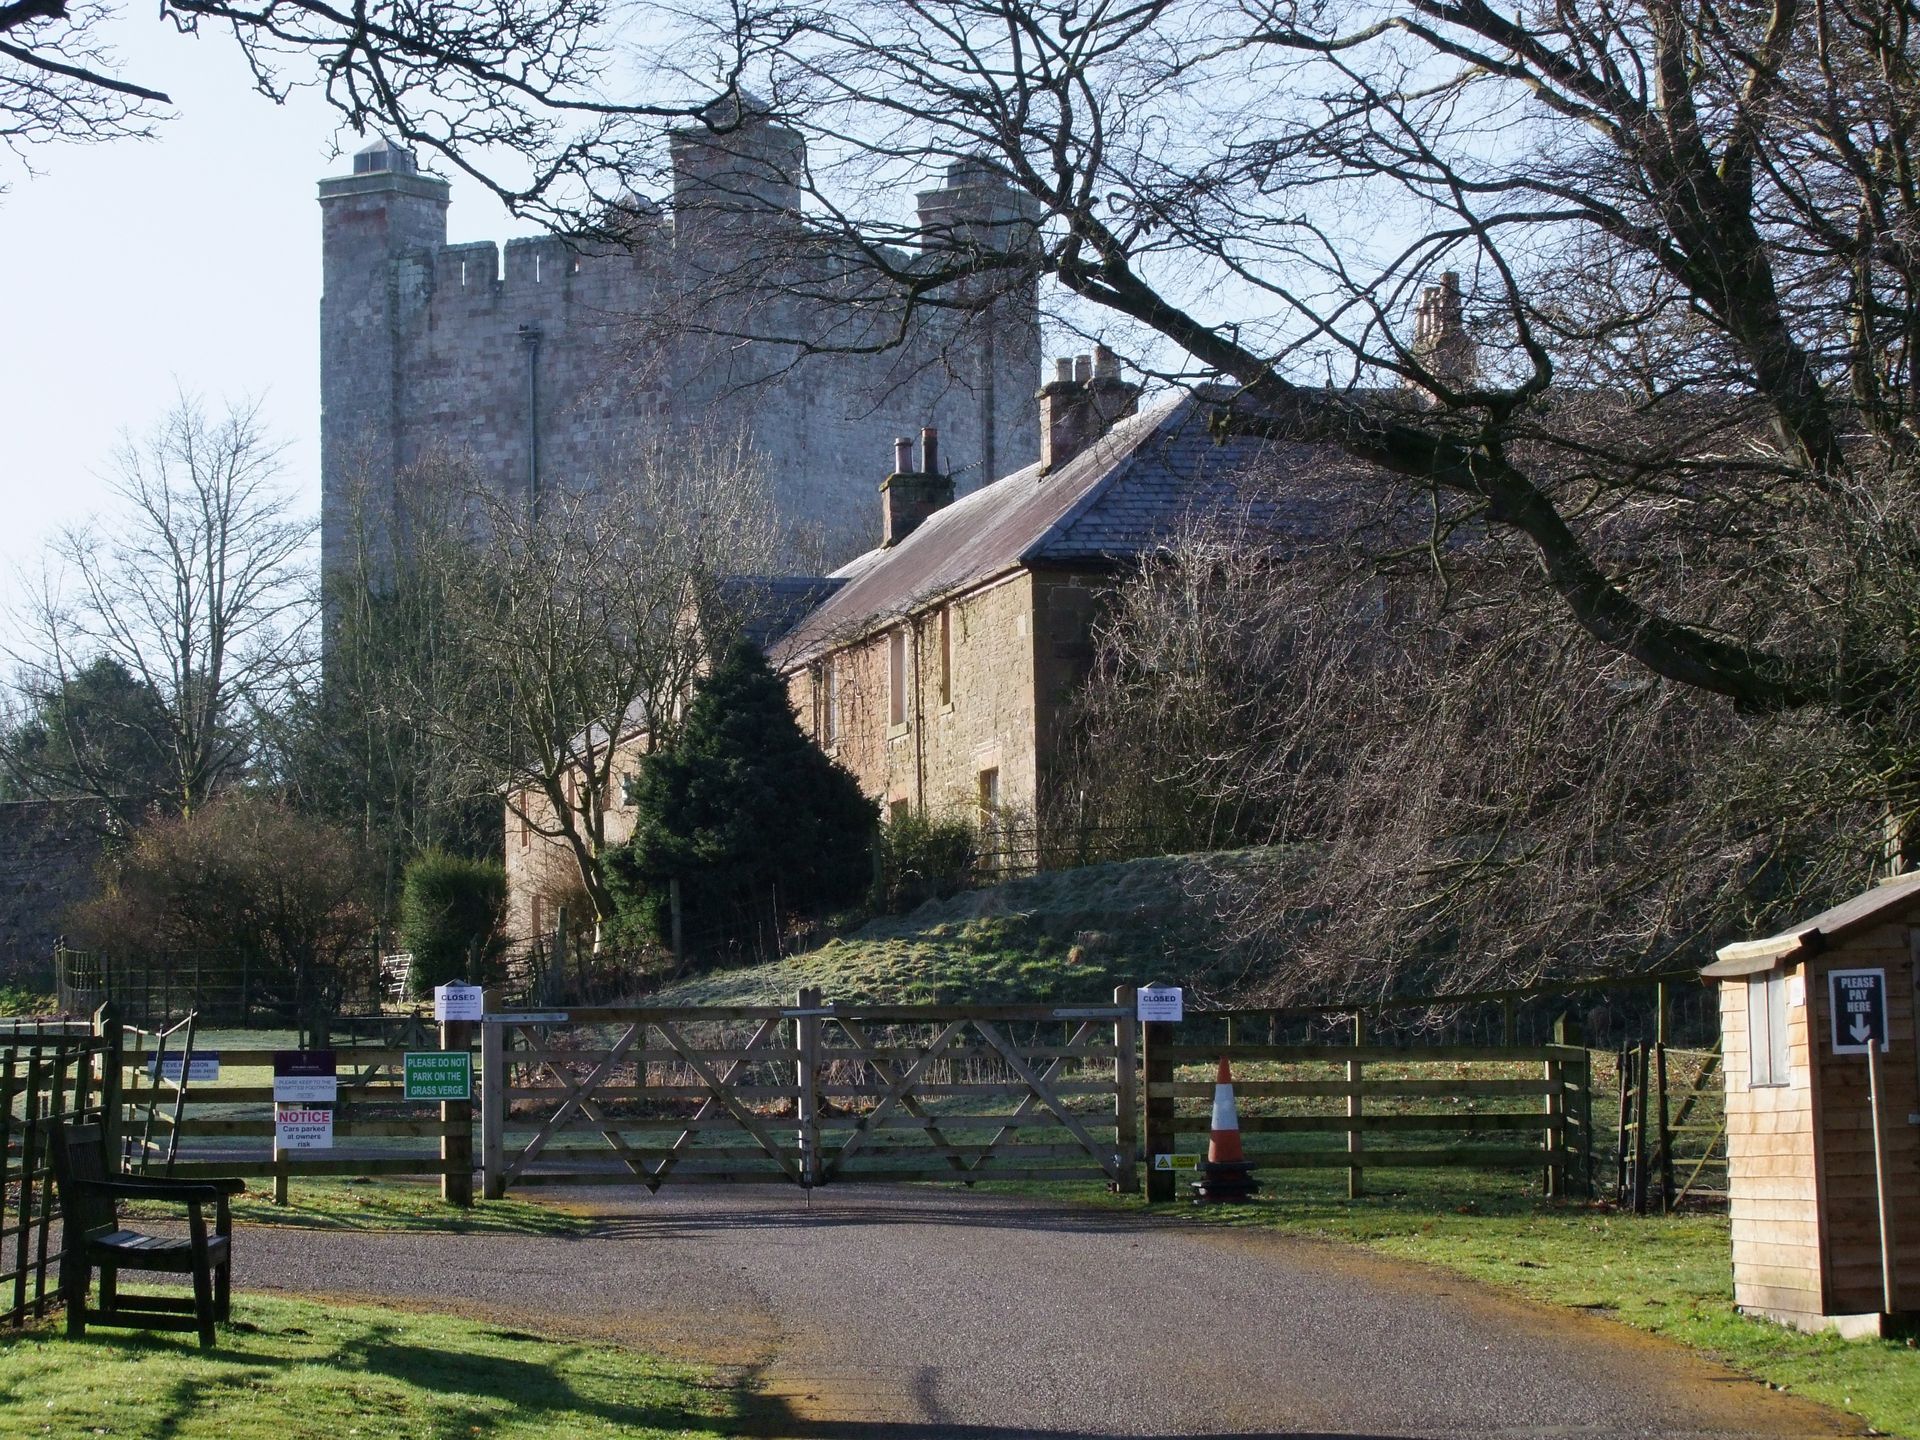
column 747, row 814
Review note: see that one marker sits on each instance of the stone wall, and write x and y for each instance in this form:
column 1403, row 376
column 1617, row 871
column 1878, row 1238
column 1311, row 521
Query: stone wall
column 50, row 851
column 542, row 364
column 1018, row 647
column 541, row 870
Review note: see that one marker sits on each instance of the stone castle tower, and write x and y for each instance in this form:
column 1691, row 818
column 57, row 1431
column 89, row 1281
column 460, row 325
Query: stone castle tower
column 539, row 371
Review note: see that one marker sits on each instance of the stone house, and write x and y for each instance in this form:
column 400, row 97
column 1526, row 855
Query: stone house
column 940, row 668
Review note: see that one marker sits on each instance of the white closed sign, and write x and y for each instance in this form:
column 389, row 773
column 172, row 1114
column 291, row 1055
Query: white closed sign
column 459, row 1002
column 1160, row 1002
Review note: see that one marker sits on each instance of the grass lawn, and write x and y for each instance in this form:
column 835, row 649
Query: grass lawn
column 1671, row 1275
column 387, row 1204
column 296, row 1369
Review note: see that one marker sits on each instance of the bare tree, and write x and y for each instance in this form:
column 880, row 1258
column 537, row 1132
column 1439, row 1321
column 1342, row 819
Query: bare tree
column 573, row 629
column 1681, row 340
column 361, row 743
column 199, row 588
column 532, row 100
column 1462, row 795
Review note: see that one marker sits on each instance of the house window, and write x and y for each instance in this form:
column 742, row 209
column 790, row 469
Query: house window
column 897, row 676
column 1767, row 1029
column 526, row 826
column 946, row 654
column 539, row 916
column 990, row 817
column 898, row 810
column 829, row 722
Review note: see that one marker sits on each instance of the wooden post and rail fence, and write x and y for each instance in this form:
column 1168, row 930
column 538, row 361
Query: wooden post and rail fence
column 815, row 1093
column 1357, row 1107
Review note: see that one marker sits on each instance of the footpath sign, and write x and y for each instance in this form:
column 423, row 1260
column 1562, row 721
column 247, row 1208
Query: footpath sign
column 202, row 1065
column 438, row 1074
column 1859, row 1006
column 302, row 1127
column 459, row 1002
column 305, row 1077
column 1159, row 1002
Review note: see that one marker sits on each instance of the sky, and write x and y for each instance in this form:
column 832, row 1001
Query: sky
column 131, row 271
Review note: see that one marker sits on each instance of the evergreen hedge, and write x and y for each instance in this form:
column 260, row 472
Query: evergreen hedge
column 451, row 913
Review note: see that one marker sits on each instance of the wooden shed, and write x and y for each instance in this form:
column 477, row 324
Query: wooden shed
column 1817, row 1024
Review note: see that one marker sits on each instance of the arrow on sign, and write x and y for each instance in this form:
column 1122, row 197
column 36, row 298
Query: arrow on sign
column 1860, row 1031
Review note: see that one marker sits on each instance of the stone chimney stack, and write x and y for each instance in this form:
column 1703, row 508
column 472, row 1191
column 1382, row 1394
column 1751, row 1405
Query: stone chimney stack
column 1441, row 344
column 908, row 496
column 1080, row 404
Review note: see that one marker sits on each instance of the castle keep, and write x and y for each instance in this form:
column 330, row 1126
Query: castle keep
column 541, row 365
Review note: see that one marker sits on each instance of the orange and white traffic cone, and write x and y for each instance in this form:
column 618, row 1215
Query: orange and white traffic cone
column 1226, row 1174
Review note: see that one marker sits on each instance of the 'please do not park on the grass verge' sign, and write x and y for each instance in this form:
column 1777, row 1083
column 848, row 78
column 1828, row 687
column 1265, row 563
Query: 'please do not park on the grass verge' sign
column 438, row 1075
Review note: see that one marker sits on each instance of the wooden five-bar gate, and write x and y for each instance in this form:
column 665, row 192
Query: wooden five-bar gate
column 809, row 1094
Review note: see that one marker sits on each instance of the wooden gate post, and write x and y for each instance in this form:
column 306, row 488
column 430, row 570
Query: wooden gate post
column 1126, row 1135
column 1642, row 1083
column 806, row 1036
column 1356, row 1110
column 456, row 1118
column 493, row 1106
column 1157, row 1063
column 106, row 1024
column 1666, row 1129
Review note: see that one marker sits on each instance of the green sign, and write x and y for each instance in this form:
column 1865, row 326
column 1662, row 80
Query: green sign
column 439, row 1075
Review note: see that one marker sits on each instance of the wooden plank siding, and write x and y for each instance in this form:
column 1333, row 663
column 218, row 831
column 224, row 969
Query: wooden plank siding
column 1804, row 1211
column 1770, row 1170
column 1844, row 1139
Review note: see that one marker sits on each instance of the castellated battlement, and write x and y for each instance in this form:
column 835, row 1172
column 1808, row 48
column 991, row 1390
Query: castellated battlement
column 542, row 362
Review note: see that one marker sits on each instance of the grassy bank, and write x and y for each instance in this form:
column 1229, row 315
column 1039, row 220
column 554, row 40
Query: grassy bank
column 1061, row 936
column 387, row 1204
column 297, row 1370
column 1670, row 1275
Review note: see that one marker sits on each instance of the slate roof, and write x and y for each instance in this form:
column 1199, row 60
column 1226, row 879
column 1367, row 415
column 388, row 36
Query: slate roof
column 771, row 605
column 1126, row 493
column 766, row 606
column 1887, row 901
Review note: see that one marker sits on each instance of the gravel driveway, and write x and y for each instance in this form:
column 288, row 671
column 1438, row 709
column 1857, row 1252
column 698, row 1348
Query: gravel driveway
column 883, row 1312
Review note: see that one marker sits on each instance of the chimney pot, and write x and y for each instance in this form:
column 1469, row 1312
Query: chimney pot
column 1441, row 344
column 1075, row 411
column 902, row 455
column 929, row 451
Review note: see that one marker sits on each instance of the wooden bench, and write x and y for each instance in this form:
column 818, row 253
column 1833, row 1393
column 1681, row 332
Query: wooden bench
column 95, row 1238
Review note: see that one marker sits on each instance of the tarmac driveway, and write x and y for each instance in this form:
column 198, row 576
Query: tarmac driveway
column 885, row 1312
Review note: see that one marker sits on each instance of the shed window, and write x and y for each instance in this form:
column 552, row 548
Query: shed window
column 1767, row 1029
column 897, row 676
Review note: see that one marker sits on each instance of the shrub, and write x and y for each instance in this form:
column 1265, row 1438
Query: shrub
column 241, row 881
column 923, row 857
column 451, row 915
column 752, row 819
